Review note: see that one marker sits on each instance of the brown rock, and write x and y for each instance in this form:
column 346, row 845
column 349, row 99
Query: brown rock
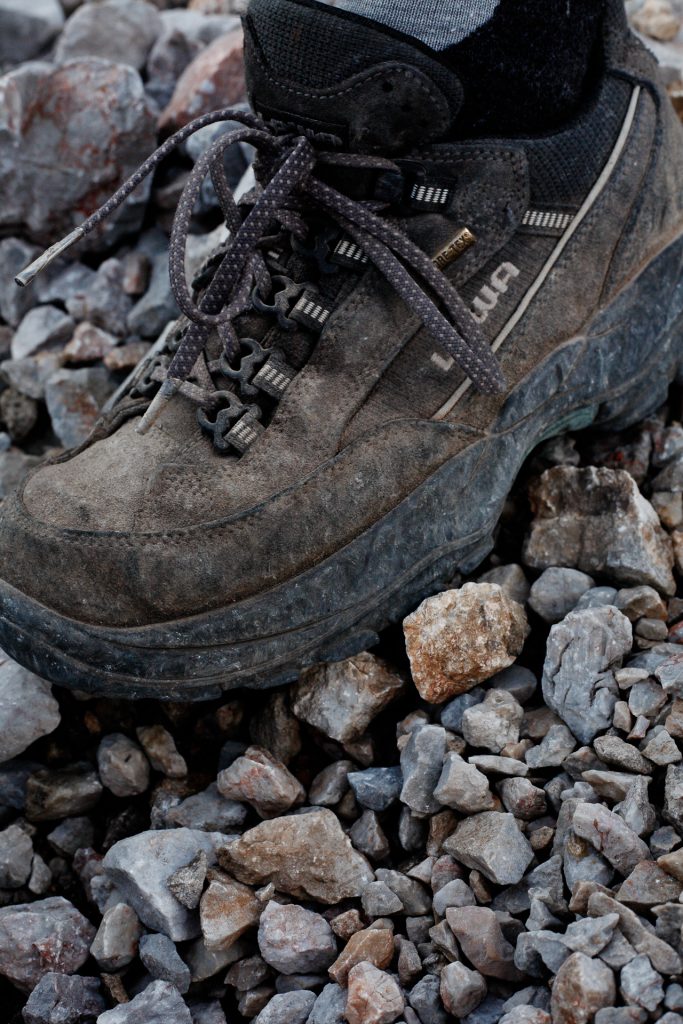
column 462, row 637
column 214, row 78
column 126, row 357
column 261, row 780
column 342, row 699
column 374, row 997
column 88, row 344
column 227, row 910
column 582, row 987
column 305, row 855
column 483, row 943
column 647, row 885
column 347, row 924
column 373, row 945
column 596, row 520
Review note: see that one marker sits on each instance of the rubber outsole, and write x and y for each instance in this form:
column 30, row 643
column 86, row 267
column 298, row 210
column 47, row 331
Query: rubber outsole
column 614, row 374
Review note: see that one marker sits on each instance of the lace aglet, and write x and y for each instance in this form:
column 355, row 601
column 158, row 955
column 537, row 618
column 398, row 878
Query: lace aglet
column 163, row 396
column 39, row 264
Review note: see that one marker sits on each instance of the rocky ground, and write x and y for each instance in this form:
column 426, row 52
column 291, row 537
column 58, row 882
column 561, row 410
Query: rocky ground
column 482, row 819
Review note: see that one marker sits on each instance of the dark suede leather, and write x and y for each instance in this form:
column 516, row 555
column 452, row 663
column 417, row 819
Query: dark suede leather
column 134, row 530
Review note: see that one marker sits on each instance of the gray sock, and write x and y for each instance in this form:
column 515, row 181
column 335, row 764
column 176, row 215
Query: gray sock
column 438, row 23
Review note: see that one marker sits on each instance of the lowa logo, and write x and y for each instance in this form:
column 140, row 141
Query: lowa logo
column 489, row 296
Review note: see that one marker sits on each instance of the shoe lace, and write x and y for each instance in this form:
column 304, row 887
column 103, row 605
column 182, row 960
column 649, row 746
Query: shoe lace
column 288, row 162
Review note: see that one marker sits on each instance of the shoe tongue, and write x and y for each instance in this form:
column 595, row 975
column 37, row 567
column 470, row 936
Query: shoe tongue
column 330, row 71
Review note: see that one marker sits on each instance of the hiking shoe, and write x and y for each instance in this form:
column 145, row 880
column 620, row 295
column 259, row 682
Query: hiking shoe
column 332, row 428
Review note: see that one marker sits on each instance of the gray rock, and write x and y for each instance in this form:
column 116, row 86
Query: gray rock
column 72, row 835
column 206, row 1012
column 479, row 933
column 462, row 990
column 369, row 838
column 113, row 30
column 553, row 750
column 105, row 303
column 621, row 1015
column 15, row 254
column 26, row 29
column 45, row 199
column 294, row 940
column 61, row 283
column 578, row 676
column 615, row 751
column 494, row 723
column 421, row 763
column 662, row 749
column 518, row 681
column 596, row 520
column 208, row 811
column 330, row 785
column 161, row 958
column 329, row 1007
column 37, row 938
column 27, row 709
column 463, row 787
column 492, row 843
column 157, row 307
column 512, row 579
column 116, row 942
column 641, row 985
column 61, row 999
column 122, row 765
column 187, row 883
column 598, row 597
column 636, row 810
column 610, row 836
column 490, row 764
column 16, row 852
column 489, row 1012
column 74, row 399
column 451, row 715
column 274, row 727
column 378, row 900
column 287, row 1008
column 30, row 376
column 410, row 891
column 341, row 700
column 62, row 793
column 557, row 592
column 184, row 34
column 425, row 999
column 377, row 788
column 159, row 1003
column 140, row 867
column 590, row 935
column 673, row 796
column 42, row 327
column 647, row 698
column 454, row 894
column 662, row 957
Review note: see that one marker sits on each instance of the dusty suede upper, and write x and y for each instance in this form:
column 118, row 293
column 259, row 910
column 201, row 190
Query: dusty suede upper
column 134, row 529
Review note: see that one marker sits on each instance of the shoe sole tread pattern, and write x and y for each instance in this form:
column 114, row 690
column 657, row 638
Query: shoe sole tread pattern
column 615, row 374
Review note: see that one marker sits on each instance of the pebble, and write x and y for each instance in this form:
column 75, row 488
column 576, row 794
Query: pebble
column 42, row 327
column 421, row 764
column 141, row 866
column 494, row 723
column 62, row 792
column 27, row 709
column 261, row 780
column 162, row 752
column 159, row 1003
column 557, row 591
column 493, row 844
column 116, row 942
column 63, row 999
column 114, row 31
column 377, row 788
column 640, row 985
column 74, row 399
column 160, row 956
column 462, row 990
column 463, row 637
column 374, row 996
column 287, row 1008
column 122, row 766
column 216, row 71
column 597, row 521
column 278, row 851
column 296, row 941
column 578, row 675
column 37, row 938
column 463, row 787
column 341, row 700
column 45, row 199
column 227, row 910
column 16, row 852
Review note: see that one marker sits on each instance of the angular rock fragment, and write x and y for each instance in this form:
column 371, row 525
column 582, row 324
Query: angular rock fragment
column 463, row 637
column 122, row 765
column 494, row 723
column 42, row 937
column 227, row 910
column 463, row 787
column 483, row 943
column 295, row 941
column 421, row 764
column 62, row 793
column 27, row 709
column 159, row 1003
column 557, row 592
column 161, row 958
column 610, row 836
column 582, row 987
column 216, row 71
column 372, row 945
column 341, row 700
column 578, row 674
column 61, row 999
column 462, row 990
column 260, row 779
column 116, row 943
column 161, row 750
column 374, row 997
column 279, row 851
column 493, row 844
